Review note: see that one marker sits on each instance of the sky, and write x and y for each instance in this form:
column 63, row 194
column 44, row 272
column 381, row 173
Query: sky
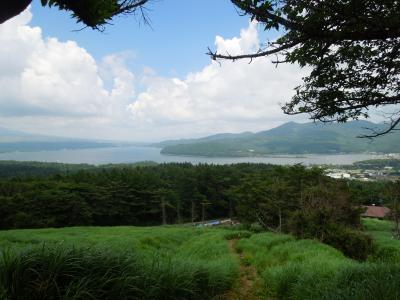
column 138, row 82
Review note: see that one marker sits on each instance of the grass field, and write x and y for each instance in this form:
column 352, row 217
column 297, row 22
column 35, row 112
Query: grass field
column 387, row 247
column 152, row 263
column 307, row 269
column 190, row 263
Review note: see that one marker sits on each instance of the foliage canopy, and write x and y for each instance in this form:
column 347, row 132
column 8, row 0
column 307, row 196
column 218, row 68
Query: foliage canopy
column 92, row 13
column 352, row 48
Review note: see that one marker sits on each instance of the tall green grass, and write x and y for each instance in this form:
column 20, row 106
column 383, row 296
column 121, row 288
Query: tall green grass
column 188, row 263
column 307, row 269
column 285, row 264
column 116, row 263
column 166, row 238
column 365, row 281
column 387, row 247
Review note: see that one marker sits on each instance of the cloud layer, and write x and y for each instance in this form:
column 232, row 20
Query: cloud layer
column 234, row 96
column 45, row 80
column 56, row 87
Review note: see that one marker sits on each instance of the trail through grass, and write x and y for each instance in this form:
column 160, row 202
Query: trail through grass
column 176, row 263
column 247, row 284
column 307, row 269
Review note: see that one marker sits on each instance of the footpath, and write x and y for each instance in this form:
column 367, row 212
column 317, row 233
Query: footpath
column 247, row 286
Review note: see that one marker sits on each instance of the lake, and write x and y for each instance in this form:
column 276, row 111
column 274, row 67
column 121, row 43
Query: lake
column 132, row 154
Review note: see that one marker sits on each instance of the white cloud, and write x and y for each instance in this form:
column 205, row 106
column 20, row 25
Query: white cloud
column 234, row 96
column 45, row 79
column 58, row 88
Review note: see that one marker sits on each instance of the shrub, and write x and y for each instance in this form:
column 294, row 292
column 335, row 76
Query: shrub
column 353, row 243
column 316, row 225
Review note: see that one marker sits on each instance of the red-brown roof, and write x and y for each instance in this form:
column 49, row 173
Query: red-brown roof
column 375, row 211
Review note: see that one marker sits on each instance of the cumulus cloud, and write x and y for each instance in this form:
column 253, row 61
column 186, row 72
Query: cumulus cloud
column 57, row 87
column 47, row 78
column 234, row 96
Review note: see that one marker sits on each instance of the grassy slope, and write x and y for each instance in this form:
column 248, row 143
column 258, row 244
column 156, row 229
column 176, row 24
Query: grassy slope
column 166, row 262
column 387, row 247
column 287, row 266
column 188, row 263
column 306, row 269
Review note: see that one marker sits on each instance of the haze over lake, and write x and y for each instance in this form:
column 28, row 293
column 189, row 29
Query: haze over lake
column 133, row 154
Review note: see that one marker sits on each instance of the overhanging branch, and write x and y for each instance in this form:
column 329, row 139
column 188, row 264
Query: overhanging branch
column 375, row 133
column 215, row 55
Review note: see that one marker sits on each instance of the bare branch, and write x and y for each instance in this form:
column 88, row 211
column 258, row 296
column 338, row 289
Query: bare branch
column 375, row 133
column 215, row 55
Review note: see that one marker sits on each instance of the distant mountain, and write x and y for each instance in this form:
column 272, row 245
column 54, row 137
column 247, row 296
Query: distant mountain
column 12, row 140
column 289, row 138
column 211, row 138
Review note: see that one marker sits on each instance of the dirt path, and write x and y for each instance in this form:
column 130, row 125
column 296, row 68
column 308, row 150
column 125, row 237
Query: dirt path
column 246, row 286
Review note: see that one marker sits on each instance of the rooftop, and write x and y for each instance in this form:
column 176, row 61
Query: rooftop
column 375, row 211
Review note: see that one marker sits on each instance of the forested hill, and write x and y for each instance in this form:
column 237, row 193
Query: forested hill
column 11, row 141
column 289, row 138
column 23, row 169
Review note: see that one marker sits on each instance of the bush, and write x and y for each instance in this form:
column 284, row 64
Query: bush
column 353, row 243
column 316, row 225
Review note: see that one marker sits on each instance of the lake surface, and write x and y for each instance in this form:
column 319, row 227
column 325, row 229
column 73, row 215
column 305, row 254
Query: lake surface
column 135, row 154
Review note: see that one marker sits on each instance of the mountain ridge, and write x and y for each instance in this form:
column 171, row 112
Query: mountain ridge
column 14, row 140
column 289, row 138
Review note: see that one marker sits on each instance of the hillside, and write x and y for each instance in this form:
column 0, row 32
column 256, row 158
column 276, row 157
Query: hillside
column 182, row 262
column 289, row 138
column 11, row 140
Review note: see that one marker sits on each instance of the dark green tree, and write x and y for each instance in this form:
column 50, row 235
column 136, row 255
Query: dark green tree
column 352, row 48
column 92, row 13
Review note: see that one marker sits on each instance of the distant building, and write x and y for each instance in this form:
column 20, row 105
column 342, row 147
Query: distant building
column 373, row 211
column 339, row 175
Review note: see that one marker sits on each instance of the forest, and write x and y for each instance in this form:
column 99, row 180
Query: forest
column 291, row 199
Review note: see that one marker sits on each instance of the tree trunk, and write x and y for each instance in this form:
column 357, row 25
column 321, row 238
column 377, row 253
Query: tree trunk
column 193, row 211
column 178, row 213
column 164, row 212
column 280, row 220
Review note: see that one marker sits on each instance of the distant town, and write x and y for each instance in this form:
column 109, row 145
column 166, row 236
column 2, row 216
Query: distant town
column 368, row 170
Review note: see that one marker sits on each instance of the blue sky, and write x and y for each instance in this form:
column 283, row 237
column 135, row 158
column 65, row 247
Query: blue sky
column 136, row 82
column 175, row 44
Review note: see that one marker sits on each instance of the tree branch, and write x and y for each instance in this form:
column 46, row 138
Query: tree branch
column 374, row 134
column 263, row 15
column 129, row 6
column 215, row 55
